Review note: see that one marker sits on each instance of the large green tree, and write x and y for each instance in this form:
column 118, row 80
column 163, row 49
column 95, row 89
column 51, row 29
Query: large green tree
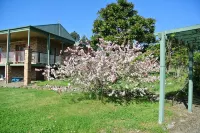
column 84, row 39
column 121, row 23
column 75, row 35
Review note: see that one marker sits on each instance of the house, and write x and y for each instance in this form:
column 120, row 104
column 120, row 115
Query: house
column 24, row 49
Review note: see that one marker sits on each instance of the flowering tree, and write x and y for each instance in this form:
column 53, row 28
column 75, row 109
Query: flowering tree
column 104, row 67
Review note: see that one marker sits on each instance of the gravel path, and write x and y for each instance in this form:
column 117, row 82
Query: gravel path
column 185, row 122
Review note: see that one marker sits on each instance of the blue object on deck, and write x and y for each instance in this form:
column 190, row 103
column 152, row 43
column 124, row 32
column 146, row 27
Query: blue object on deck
column 16, row 79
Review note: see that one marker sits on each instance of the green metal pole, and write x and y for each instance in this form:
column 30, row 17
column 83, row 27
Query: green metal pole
column 29, row 37
column 190, row 91
column 48, row 49
column 8, row 47
column 162, row 79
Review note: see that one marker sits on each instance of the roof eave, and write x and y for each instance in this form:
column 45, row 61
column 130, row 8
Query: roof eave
column 179, row 30
column 25, row 28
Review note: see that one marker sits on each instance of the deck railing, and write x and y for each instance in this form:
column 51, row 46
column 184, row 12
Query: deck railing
column 17, row 57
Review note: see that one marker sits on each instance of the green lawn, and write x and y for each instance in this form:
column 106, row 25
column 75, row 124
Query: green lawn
column 172, row 84
column 53, row 83
column 23, row 110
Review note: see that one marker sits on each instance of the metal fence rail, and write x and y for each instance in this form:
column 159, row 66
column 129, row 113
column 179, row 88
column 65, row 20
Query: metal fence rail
column 17, row 57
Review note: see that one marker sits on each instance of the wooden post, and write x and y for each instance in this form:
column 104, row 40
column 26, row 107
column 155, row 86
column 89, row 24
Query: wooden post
column 27, row 62
column 27, row 66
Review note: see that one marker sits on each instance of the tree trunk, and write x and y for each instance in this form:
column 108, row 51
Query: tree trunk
column 168, row 65
column 124, row 42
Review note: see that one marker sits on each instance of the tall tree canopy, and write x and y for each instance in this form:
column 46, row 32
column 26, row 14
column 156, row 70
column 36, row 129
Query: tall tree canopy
column 121, row 23
column 84, row 39
column 75, row 35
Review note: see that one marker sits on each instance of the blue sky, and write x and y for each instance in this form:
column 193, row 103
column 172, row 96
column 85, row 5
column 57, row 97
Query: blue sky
column 79, row 15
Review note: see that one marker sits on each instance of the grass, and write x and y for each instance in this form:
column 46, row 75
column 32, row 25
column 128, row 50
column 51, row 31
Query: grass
column 172, row 84
column 53, row 82
column 23, row 110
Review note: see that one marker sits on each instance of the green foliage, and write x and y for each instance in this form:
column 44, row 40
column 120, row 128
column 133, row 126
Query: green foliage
column 196, row 77
column 119, row 22
column 84, row 39
column 124, row 84
column 75, row 35
column 176, row 54
column 153, row 49
column 30, row 110
column 83, row 42
column 95, row 41
column 179, row 55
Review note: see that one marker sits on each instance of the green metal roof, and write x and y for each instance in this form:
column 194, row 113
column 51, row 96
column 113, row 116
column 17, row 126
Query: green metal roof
column 190, row 34
column 56, row 29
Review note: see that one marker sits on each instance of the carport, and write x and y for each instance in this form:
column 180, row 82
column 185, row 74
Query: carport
column 189, row 36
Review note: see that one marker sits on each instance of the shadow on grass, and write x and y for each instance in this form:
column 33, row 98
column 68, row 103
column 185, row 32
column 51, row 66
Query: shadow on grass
column 104, row 98
column 126, row 100
column 181, row 96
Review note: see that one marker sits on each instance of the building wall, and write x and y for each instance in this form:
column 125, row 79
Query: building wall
column 33, row 44
column 18, row 71
column 57, row 46
column 42, row 46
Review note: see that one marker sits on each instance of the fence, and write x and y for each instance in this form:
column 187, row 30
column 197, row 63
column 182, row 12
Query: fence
column 17, row 57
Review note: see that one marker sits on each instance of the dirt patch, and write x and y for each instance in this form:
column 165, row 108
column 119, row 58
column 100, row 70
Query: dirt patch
column 185, row 122
column 12, row 84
